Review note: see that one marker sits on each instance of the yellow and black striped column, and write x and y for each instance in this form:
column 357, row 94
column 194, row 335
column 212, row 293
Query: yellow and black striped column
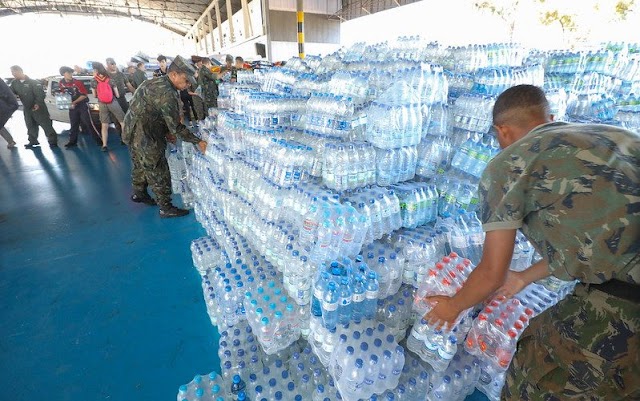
column 300, row 15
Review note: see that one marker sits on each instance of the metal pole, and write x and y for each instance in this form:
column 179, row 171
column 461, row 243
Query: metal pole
column 300, row 16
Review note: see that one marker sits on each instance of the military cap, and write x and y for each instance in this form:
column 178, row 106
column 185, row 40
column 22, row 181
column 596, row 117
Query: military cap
column 181, row 64
column 65, row 69
column 110, row 60
column 196, row 59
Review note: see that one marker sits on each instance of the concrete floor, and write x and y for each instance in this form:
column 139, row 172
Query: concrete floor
column 98, row 296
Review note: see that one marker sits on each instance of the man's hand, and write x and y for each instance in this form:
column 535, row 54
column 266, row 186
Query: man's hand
column 444, row 313
column 72, row 106
column 171, row 138
column 35, row 107
column 513, row 284
column 202, row 145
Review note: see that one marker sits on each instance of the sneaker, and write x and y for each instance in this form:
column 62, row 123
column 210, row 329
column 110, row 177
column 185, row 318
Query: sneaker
column 173, row 212
column 11, row 145
column 53, row 145
column 71, row 145
column 104, row 149
column 31, row 145
column 143, row 198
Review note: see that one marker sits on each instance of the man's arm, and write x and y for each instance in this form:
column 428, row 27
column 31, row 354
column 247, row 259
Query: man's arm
column 130, row 87
column 516, row 281
column 83, row 93
column 171, row 116
column 485, row 279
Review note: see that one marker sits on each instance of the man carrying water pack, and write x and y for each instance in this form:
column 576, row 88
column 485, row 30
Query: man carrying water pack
column 574, row 191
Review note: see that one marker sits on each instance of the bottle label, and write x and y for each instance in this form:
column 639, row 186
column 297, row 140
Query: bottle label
column 358, row 297
column 330, row 306
column 445, row 354
column 458, row 242
column 372, row 294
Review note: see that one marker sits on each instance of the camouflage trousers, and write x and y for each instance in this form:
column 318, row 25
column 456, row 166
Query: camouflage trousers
column 584, row 348
column 150, row 169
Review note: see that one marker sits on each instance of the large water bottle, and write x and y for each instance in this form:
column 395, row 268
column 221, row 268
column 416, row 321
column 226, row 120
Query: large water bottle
column 330, row 304
column 371, row 295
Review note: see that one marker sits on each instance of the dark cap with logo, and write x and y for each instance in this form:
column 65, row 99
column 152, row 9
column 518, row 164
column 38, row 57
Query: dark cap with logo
column 184, row 66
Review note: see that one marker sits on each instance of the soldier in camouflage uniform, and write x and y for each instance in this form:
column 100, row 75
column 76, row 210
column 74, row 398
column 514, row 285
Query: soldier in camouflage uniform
column 154, row 117
column 208, row 83
column 574, row 191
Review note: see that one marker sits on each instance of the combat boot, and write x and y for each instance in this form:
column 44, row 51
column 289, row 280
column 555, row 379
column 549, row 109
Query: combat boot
column 143, row 198
column 173, row 211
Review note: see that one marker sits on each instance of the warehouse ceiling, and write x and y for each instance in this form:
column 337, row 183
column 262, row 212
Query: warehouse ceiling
column 359, row 8
column 175, row 15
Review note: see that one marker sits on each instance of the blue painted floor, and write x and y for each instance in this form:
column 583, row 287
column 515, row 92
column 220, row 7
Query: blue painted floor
column 98, row 296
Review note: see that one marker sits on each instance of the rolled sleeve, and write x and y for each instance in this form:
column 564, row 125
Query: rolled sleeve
column 502, row 193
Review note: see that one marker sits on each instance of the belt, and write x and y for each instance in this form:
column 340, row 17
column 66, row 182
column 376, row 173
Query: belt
column 619, row 289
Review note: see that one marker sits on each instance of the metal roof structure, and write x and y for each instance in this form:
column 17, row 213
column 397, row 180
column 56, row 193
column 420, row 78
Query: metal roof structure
column 178, row 16
column 175, row 15
column 359, row 8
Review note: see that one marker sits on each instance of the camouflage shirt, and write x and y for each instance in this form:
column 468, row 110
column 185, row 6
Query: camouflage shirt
column 574, row 190
column 155, row 111
column 119, row 81
column 207, row 82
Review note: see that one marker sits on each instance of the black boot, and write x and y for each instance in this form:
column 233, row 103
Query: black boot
column 143, row 198
column 173, row 211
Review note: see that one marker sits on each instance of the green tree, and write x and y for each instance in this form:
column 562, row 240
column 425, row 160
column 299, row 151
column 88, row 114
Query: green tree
column 504, row 9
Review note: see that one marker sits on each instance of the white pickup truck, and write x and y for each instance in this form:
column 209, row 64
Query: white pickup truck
column 51, row 88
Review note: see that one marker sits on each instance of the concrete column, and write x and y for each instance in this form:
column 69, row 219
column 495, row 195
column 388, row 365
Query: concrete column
column 219, row 22
column 266, row 27
column 246, row 17
column 230, row 20
column 211, row 38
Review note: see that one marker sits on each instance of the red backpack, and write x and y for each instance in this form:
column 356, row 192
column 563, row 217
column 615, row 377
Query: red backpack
column 104, row 91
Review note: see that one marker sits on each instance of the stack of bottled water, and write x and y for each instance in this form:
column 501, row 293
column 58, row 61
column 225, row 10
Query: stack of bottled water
column 395, row 119
column 433, row 156
column 239, row 351
column 63, row 101
column 395, row 311
column 272, row 316
column 395, row 165
column 458, row 380
column 418, row 203
column 380, row 206
column 203, row 388
column 349, row 165
column 472, row 112
column 329, row 230
column 629, row 112
column 494, row 334
column 437, row 346
column 334, row 181
column 366, row 360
